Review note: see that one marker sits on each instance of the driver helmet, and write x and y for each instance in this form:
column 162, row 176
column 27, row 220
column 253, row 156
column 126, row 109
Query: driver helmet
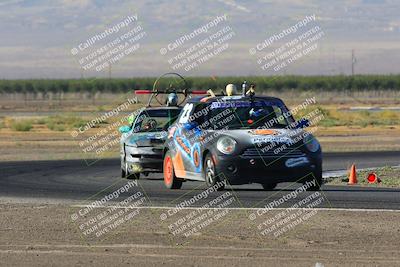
column 230, row 89
column 172, row 100
column 150, row 124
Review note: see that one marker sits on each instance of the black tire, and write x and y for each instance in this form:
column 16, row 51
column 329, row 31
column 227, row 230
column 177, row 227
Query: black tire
column 317, row 176
column 125, row 173
column 170, row 180
column 133, row 176
column 210, row 174
column 123, row 165
column 269, row 186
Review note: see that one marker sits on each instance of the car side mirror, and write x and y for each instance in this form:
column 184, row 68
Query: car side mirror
column 303, row 123
column 124, row 129
column 190, row 125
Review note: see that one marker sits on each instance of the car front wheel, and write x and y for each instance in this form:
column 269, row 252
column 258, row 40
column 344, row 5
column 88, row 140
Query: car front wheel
column 210, row 174
column 126, row 174
column 269, row 186
column 316, row 178
column 170, row 180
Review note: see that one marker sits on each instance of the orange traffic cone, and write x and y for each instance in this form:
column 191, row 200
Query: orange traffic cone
column 353, row 175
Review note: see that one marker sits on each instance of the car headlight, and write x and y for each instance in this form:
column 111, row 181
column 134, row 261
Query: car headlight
column 311, row 143
column 226, row 145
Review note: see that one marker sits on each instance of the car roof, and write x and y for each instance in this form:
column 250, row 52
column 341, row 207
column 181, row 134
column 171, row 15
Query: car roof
column 162, row 108
column 198, row 99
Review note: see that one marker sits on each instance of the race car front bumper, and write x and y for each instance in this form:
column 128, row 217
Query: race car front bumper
column 243, row 170
column 144, row 159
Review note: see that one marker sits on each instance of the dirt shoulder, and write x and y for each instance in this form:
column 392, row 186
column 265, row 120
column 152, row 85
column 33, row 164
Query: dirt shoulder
column 45, row 235
column 386, row 177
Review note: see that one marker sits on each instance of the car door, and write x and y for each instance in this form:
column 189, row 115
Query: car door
column 186, row 157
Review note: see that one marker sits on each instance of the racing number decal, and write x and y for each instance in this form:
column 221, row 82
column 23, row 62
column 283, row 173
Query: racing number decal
column 186, row 113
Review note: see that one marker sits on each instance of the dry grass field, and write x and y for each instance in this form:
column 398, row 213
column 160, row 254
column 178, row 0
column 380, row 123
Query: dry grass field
column 41, row 129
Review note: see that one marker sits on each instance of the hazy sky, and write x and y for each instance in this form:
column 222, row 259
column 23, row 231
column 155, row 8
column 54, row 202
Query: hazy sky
column 49, row 38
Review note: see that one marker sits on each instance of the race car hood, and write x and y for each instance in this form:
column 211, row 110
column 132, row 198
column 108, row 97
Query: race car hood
column 147, row 139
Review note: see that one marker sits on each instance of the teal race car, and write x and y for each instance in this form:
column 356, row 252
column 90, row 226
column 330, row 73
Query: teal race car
column 142, row 142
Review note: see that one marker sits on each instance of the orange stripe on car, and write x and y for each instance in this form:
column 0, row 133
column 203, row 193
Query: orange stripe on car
column 264, row 132
column 178, row 165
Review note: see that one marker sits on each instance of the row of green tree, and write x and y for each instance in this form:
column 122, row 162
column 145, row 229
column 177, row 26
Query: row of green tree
column 122, row 85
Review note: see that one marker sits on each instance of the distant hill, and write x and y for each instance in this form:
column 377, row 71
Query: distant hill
column 38, row 35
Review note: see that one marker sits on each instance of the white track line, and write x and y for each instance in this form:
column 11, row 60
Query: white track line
column 250, row 209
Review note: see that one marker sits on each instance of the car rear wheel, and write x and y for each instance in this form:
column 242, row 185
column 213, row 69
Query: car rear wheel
column 210, row 174
column 170, row 180
column 269, row 186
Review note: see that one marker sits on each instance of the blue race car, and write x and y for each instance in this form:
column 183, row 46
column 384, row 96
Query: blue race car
column 240, row 139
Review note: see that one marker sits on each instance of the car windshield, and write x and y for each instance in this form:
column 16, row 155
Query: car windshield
column 247, row 115
column 155, row 120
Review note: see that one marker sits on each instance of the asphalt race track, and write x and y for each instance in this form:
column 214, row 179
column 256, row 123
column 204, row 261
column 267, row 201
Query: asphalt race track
column 73, row 181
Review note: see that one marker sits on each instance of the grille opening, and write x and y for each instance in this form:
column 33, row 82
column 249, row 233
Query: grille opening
column 270, row 153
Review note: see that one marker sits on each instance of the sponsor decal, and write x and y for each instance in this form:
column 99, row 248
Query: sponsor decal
column 183, row 145
column 232, row 97
column 241, row 104
column 293, row 162
column 270, row 139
